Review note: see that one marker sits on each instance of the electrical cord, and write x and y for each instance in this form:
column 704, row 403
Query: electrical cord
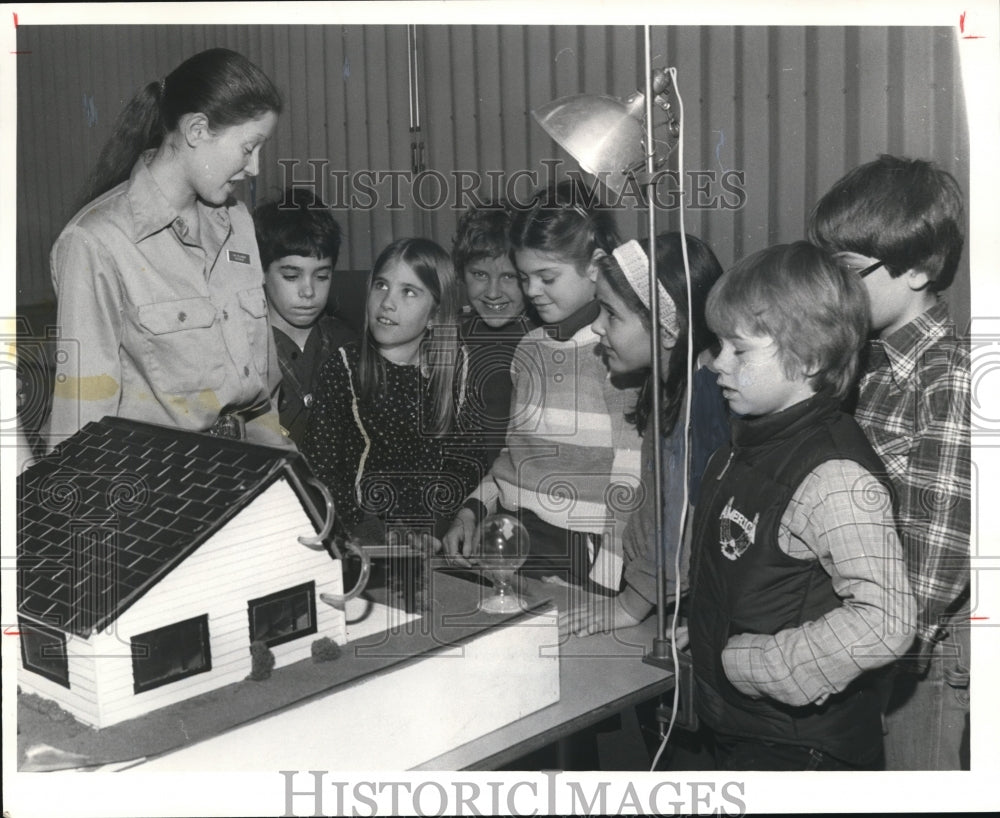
column 687, row 419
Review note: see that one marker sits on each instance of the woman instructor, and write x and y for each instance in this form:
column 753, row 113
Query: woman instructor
column 161, row 307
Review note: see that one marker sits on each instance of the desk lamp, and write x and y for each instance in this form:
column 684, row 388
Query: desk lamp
column 613, row 140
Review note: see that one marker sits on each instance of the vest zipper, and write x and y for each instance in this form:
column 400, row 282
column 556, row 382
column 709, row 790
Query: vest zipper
column 726, row 467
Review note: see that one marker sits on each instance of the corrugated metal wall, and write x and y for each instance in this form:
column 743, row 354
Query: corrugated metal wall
column 791, row 107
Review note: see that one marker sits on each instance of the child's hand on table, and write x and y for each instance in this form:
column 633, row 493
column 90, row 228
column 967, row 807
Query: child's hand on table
column 597, row 615
column 457, row 542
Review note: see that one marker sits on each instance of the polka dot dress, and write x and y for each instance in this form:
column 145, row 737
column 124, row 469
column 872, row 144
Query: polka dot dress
column 379, row 457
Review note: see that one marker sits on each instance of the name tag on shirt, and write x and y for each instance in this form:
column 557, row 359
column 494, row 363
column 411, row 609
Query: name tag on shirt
column 239, row 258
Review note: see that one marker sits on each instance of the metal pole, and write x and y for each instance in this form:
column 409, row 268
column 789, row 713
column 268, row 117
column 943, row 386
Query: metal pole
column 661, row 644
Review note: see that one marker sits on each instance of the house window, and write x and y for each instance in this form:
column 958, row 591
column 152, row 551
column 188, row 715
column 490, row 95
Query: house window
column 43, row 651
column 283, row 616
column 168, row 654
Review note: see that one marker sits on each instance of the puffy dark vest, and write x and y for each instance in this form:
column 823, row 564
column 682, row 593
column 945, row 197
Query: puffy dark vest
column 742, row 582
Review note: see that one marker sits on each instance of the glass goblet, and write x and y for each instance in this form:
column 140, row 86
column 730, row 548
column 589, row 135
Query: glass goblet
column 502, row 548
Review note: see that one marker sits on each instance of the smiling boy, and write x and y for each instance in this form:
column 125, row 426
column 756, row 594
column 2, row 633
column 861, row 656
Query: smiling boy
column 481, row 254
column 798, row 585
column 299, row 242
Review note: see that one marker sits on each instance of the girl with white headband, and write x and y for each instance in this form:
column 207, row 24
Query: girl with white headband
column 624, row 327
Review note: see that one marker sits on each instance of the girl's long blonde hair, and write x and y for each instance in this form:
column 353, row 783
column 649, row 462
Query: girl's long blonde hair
column 439, row 350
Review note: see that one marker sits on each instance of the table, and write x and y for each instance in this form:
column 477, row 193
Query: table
column 599, row 676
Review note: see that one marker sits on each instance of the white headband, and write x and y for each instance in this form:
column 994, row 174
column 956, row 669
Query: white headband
column 635, row 265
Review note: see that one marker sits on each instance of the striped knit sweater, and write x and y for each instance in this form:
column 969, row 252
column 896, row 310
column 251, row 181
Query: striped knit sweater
column 570, row 457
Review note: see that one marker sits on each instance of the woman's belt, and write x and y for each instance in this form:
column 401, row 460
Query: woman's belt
column 233, row 424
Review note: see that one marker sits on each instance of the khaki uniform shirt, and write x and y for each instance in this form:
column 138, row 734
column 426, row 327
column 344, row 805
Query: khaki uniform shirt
column 155, row 326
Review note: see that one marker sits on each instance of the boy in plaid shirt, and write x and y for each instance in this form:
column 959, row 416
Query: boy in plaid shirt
column 898, row 224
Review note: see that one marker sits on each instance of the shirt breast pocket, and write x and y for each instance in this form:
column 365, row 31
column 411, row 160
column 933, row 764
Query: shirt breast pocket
column 184, row 350
column 254, row 305
column 893, row 451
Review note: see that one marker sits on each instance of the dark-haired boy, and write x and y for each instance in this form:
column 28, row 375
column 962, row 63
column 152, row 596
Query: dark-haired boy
column 898, row 224
column 299, row 242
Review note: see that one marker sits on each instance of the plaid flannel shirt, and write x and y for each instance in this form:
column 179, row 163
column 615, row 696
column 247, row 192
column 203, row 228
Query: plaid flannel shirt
column 914, row 406
column 839, row 515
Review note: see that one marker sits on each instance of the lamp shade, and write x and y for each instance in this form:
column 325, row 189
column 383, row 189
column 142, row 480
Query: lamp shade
column 602, row 133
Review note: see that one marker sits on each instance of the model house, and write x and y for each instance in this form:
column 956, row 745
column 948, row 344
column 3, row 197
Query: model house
column 149, row 559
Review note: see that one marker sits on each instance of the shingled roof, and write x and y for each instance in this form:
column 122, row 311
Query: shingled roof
column 119, row 505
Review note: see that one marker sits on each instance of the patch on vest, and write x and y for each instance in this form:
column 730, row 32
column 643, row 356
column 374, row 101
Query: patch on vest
column 733, row 547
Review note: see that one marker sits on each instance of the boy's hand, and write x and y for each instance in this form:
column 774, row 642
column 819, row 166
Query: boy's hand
column 457, row 542
column 596, row 615
column 599, row 614
column 429, row 544
column 682, row 639
column 419, row 542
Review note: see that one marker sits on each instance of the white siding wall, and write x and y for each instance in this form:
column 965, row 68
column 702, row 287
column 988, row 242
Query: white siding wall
column 254, row 555
column 80, row 698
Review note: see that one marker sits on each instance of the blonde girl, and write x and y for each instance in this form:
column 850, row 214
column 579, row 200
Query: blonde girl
column 379, row 434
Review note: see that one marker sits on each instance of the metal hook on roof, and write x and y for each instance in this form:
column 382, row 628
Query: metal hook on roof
column 316, row 543
column 340, row 600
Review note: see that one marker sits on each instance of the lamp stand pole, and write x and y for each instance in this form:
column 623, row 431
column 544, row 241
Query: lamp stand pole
column 660, row 653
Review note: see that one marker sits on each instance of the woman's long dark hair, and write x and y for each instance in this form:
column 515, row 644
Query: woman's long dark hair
column 705, row 271
column 221, row 84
